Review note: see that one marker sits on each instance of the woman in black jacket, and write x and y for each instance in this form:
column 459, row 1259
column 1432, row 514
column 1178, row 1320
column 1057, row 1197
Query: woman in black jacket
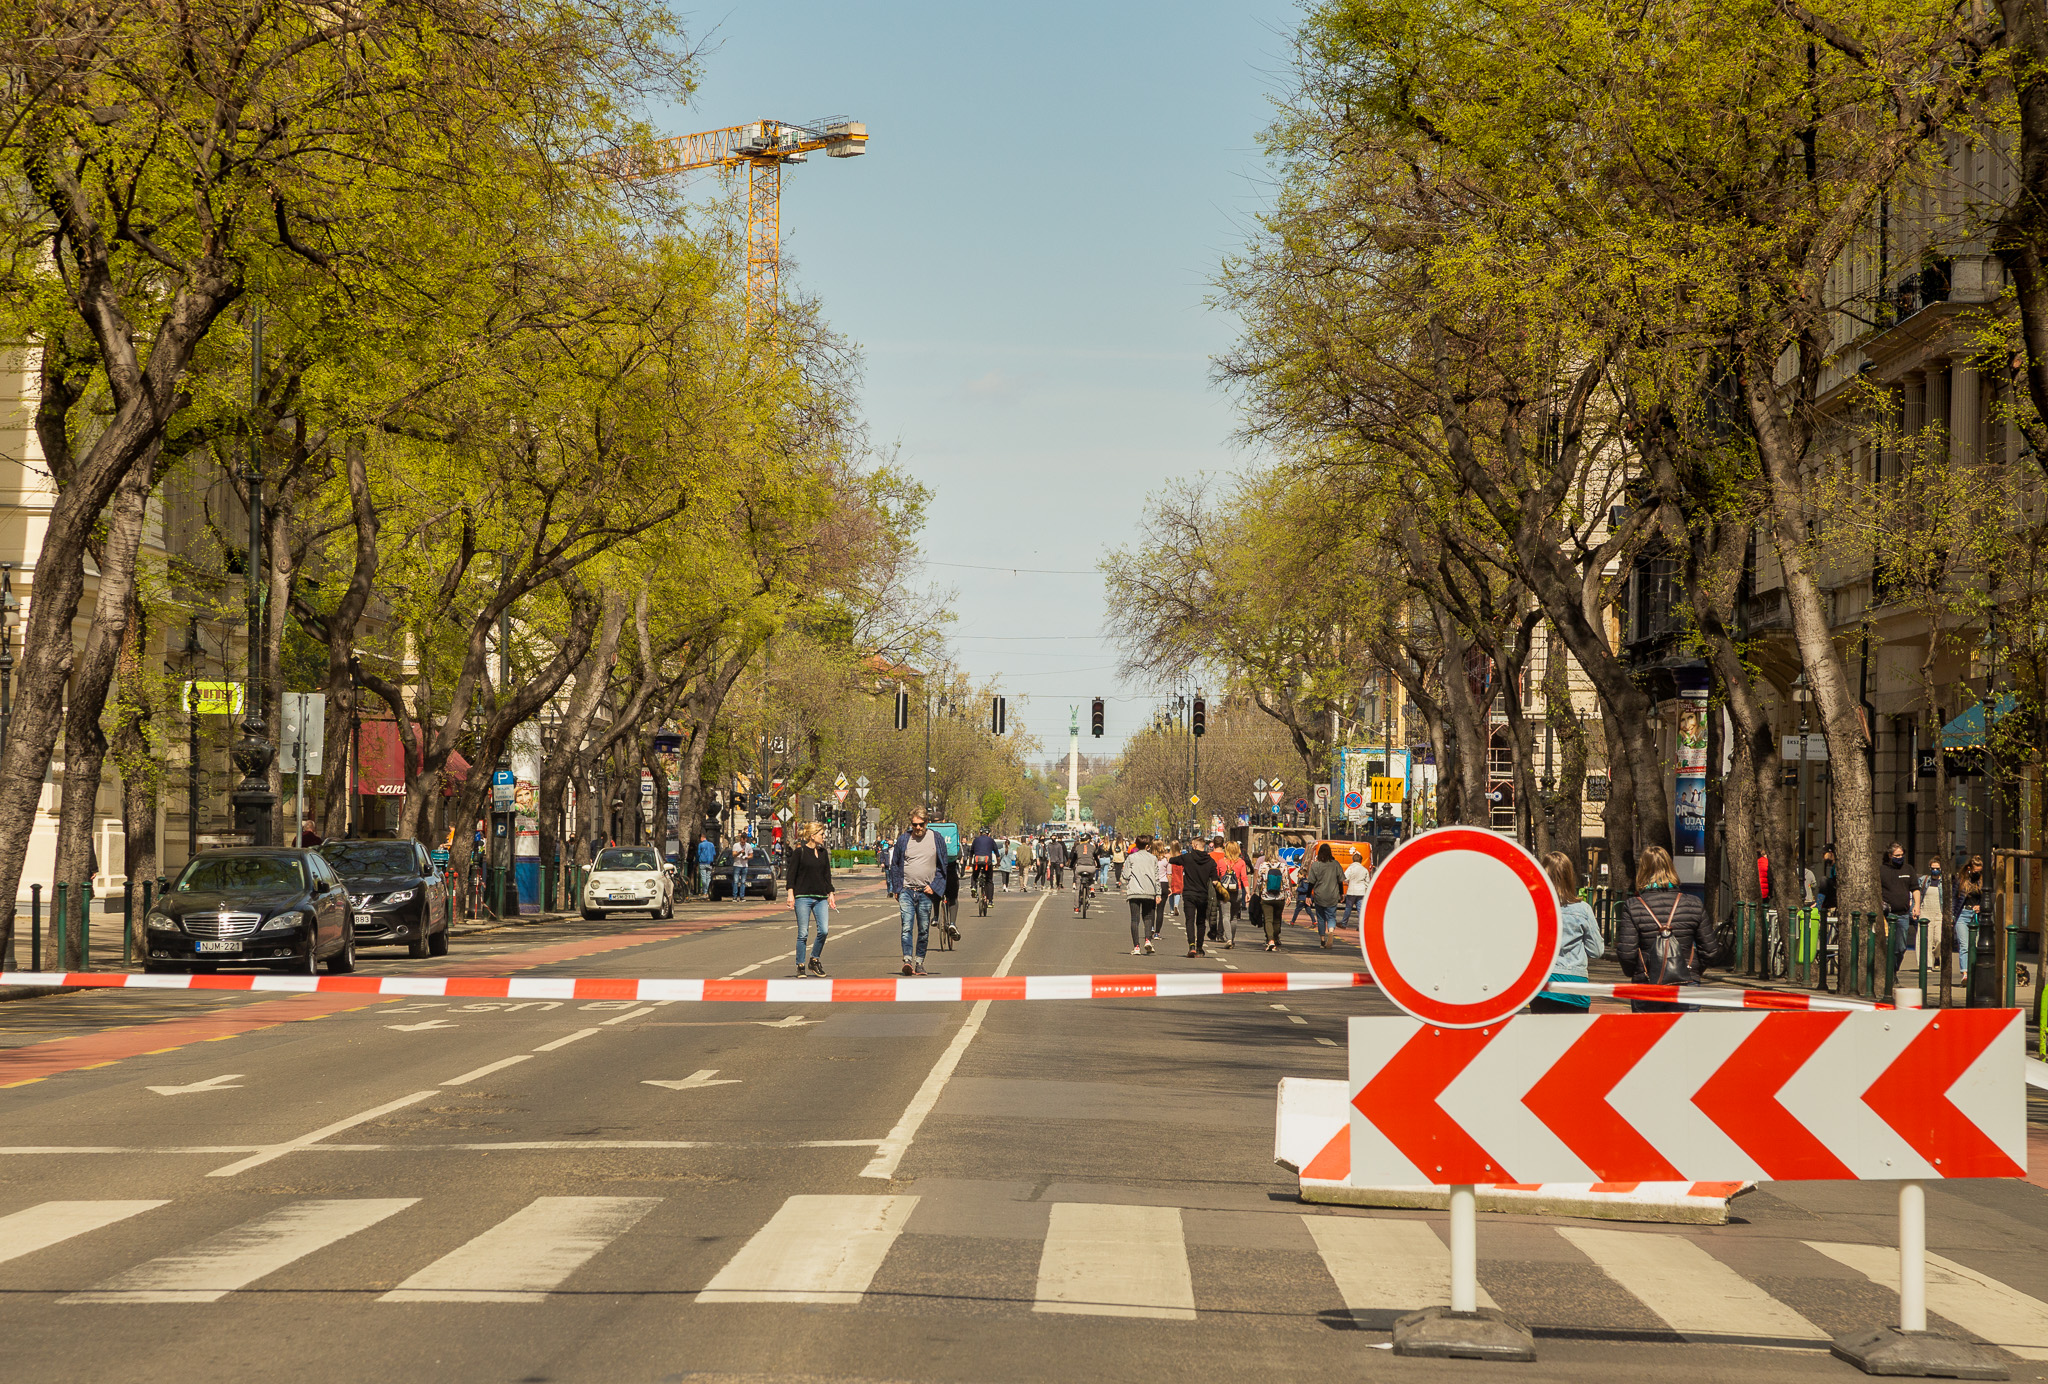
column 812, row 895
column 1197, row 874
column 1664, row 937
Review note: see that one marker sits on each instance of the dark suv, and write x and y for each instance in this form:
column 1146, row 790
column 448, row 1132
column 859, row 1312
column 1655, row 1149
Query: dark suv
column 398, row 895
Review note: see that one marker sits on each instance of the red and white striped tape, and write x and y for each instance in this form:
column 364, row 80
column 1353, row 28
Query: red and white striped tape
column 790, row 991
column 884, row 989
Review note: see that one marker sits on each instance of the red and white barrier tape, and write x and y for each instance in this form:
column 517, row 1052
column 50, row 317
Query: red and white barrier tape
column 791, row 991
column 885, row 988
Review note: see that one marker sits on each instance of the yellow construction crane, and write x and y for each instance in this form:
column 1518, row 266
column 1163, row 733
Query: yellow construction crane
column 764, row 146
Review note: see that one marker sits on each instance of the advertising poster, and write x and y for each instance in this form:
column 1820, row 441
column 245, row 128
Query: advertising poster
column 1689, row 823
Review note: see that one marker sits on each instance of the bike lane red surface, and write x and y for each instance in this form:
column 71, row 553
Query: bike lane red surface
column 33, row 1062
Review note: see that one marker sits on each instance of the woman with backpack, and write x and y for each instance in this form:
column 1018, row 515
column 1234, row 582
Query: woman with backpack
column 1326, row 891
column 1269, row 901
column 1664, row 937
column 1234, row 882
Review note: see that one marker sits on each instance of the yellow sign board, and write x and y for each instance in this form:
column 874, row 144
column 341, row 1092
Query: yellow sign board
column 1389, row 790
column 212, row 698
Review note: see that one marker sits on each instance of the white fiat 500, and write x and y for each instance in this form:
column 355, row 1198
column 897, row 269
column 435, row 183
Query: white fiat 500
column 629, row 879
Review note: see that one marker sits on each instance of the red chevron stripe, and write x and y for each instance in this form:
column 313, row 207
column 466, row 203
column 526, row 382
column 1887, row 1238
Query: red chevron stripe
column 1911, row 1095
column 1401, row 1102
column 1742, row 1097
column 1571, row 1099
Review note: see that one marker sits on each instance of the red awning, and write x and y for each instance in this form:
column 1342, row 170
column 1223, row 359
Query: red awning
column 380, row 760
column 456, row 770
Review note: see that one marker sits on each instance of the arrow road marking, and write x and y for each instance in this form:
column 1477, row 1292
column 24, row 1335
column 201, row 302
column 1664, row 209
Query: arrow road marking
column 415, row 1028
column 212, row 1083
column 695, row 1080
column 793, row 1021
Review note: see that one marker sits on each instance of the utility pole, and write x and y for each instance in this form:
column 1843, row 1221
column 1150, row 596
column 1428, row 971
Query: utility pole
column 253, row 753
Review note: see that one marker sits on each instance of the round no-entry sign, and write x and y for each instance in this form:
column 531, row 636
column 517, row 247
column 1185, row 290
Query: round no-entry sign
column 1460, row 927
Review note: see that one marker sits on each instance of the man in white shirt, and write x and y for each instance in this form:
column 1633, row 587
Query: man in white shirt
column 1356, row 878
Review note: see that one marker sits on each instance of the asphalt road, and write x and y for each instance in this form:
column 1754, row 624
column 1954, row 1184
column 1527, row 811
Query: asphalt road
column 230, row 1188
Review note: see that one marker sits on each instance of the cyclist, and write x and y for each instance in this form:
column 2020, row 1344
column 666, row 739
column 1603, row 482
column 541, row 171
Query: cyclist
column 981, row 864
column 1085, row 865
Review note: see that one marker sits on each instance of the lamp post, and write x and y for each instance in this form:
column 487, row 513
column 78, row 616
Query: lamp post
column 1802, row 694
column 253, row 753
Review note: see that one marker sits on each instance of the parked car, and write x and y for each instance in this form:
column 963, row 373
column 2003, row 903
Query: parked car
column 754, row 873
column 629, row 879
column 399, row 897
column 264, row 906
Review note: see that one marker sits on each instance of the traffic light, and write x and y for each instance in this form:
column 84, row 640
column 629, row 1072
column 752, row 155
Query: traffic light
column 999, row 715
column 1096, row 719
column 902, row 709
column 1200, row 721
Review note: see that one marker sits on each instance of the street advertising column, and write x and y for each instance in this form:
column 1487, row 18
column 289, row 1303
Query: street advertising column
column 1689, row 821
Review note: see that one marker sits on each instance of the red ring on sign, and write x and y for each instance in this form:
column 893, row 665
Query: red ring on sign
column 1372, row 936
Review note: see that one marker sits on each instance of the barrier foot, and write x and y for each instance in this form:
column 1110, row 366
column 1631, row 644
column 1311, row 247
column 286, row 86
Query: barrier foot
column 1486, row 1333
column 1916, row 1354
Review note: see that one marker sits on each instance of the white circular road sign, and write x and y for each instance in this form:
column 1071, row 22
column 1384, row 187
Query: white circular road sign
column 1460, row 927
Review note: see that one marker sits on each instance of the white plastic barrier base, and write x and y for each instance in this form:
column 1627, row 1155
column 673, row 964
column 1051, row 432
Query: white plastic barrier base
column 1312, row 1138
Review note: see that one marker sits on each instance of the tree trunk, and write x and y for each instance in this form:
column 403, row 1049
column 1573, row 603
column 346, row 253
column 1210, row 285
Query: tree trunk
column 1569, row 735
column 337, row 631
column 92, row 675
column 591, row 680
column 140, row 770
column 1619, row 818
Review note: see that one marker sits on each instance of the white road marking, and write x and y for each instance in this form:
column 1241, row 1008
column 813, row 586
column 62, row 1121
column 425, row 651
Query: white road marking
column 1296, row 1019
column 816, row 1249
column 39, row 1227
column 280, row 1150
column 212, row 1083
column 789, row 953
column 54, row 1150
column 1978, row 1303
column 500, row 1065
column 416, row 1028
column 1327, row 1042
column 528, row 1254
column 1696, row 1294
column 1115, row 1261
column 1281, row 1007
column 695, row 1080
column 235, row 1258
column 890, row 1155
column 1385, row 1265
column 585, row 1033
column 793, row 1021
column 621, row 1018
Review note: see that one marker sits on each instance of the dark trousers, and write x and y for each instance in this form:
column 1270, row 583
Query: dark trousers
column 1141, row 920
column 1195, row 912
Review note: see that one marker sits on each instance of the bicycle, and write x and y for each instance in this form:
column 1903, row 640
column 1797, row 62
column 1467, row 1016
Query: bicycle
column 1084, row 888
column 984, row 889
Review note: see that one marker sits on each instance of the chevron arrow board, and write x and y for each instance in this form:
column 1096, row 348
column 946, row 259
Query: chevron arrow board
column 1905, row 1094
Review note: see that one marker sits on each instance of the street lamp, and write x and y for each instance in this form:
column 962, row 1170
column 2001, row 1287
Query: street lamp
column 253, row 753
column 10, row 615
column 1803, row 695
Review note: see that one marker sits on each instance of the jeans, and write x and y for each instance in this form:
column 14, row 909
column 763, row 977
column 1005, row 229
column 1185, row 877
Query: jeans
column 809, row 907
column 1326, row 918
column 704, row 880
column 1141, row 920
column 1901, row 928
column 1966, row 930
column 916, row 907
column 1354, row 904
column 1301, row 902
column 1196, row 916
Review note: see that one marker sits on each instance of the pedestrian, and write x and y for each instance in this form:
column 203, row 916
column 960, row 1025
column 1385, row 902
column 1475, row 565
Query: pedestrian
column 917, row 881
column 1086, row 865
column 1118, row 854
column 1969, row 908
column 1164, row 873
column 1271, row 881
column 810, row 884
column 1301, row 900
column 1234, row 878
column 1197, row 877
column 1928, row 908
column 1009, row 862
column 1578, row 938
column 1356, row 879
column 1141, row 893
column 1326, row 892
column 1897, row 890
column 1664, row 938
column 1174, row 880
column 309, row 834
column 707, row 856
column 1763, row 875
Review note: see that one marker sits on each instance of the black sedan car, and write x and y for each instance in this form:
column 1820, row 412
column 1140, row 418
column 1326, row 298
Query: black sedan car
column 399, row 897
column 261, row 906
column 753, row 873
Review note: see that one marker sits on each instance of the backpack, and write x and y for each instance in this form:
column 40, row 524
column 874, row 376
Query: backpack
column 1670, row 966
column 1276, row 881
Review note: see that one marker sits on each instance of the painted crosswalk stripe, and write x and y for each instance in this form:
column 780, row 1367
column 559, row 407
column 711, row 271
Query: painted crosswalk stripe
column 1980, row 1304
column 1696, row 1294
column 39, row 1227
column 237, row 1257
column 816, row 1249
column 1115, row 1261
column 1383, row 1266
column 528, row 1254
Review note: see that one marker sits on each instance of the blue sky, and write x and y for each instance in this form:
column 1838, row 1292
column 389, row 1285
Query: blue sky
column 1023, row 257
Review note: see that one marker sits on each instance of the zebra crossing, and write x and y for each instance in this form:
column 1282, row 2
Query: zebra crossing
column 1094, row 1259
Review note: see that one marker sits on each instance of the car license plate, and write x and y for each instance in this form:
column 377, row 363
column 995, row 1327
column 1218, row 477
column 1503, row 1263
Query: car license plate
column 364, row 920
column 220, row 946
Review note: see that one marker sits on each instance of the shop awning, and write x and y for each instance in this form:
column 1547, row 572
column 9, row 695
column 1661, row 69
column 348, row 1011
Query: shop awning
column 381, row 766
column 1966, row 732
